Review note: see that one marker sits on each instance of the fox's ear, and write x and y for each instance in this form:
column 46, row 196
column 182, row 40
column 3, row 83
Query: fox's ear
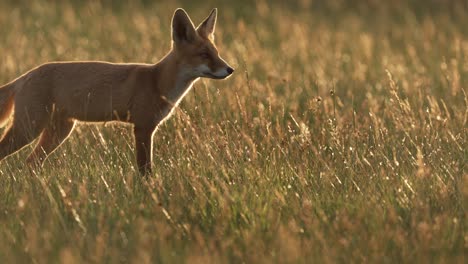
column 206, row 28
column 182, row 27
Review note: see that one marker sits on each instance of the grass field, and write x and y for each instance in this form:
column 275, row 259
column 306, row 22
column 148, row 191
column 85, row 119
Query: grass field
column 341, row 137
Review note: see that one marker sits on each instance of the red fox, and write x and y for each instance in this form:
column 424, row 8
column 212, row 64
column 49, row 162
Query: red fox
column 48, row 100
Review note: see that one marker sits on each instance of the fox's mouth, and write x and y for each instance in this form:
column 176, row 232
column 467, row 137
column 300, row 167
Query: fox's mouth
column 212, row 76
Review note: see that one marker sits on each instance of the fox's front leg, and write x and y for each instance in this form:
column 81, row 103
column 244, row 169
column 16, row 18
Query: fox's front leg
column 144, row 146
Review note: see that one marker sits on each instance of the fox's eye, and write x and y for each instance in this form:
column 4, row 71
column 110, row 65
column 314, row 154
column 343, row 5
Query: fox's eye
column 204, row 55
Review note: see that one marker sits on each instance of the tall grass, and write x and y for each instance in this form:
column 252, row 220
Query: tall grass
column 341, row 137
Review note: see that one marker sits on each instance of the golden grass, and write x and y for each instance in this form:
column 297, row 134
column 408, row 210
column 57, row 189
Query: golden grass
column 340, row 138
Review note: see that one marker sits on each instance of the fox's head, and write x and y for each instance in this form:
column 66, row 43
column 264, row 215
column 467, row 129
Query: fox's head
column 195, row 48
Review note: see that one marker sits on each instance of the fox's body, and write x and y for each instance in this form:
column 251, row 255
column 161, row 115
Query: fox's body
column 48, row 100
column 101, row 91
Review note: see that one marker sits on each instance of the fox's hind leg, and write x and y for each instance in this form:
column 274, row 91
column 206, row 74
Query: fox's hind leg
column 27, row 126
column 56, row 132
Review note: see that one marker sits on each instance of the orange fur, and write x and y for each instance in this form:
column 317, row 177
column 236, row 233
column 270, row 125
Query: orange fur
column 6, row 104
column 49, row 99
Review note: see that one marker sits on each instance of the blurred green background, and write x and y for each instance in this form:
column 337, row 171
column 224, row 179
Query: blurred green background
column 341, row 137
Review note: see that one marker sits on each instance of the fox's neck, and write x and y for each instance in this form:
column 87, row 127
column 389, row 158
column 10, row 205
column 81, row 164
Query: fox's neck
column 174, row 79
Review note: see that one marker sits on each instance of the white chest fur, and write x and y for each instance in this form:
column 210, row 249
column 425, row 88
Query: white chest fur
column 180, row 89
column 176, row 94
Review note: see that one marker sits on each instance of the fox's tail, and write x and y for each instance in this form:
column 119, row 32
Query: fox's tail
column 7, row 101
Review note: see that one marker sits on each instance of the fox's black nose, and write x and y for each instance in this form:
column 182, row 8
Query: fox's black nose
column 230, row 70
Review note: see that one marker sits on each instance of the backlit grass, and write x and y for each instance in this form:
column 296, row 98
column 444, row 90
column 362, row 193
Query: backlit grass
column 341, row 137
